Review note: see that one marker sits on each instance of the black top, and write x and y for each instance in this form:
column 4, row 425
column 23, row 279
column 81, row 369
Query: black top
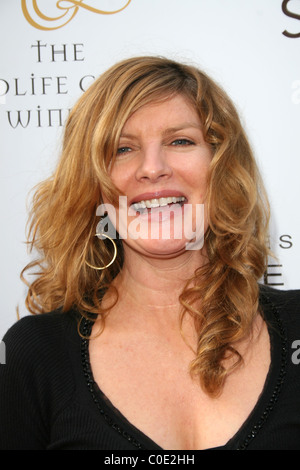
column 49, row 400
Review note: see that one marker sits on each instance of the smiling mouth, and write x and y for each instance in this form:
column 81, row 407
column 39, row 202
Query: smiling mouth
column 144, row 205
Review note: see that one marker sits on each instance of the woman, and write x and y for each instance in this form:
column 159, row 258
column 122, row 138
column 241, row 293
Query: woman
column 158, row 336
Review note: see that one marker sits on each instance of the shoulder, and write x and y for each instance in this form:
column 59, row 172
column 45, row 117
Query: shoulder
column 37, row 380
column 283, row 303
column 34, row 337
column 44, row 323
column 39, row 350
column 281, row 298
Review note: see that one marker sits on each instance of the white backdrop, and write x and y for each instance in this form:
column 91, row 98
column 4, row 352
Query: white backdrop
column 50, row 53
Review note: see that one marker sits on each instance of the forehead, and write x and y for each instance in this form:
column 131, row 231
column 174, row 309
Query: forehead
column 173, row 112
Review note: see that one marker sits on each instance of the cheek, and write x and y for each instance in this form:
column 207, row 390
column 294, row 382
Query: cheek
column 197, row 165
column 197, row 180
column 121, row 175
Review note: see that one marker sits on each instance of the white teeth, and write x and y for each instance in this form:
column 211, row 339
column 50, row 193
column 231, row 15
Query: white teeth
column 162, row 201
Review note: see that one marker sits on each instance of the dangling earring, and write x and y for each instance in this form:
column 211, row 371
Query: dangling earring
column 114, row 255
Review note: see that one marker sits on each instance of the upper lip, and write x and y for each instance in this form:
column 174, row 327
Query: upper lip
column 156, row 195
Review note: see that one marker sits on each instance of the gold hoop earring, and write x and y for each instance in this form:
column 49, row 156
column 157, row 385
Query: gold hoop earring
column 114, row 255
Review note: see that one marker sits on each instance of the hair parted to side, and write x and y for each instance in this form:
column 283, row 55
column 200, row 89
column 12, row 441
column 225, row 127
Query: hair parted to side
column 63, row 217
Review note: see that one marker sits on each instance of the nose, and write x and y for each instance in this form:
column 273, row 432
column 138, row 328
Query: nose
column 153, row 165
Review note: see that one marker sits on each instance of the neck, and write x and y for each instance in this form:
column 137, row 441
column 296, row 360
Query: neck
column 153, row 284
column 148, row 296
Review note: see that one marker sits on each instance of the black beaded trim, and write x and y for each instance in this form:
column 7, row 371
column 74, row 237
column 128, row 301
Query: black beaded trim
column 282, row 373
column 85, row 329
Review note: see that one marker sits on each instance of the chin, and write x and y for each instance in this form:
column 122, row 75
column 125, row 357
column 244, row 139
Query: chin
column 160, row 248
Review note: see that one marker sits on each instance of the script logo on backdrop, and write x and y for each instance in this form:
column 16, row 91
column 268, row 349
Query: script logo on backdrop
column 291, row 14
column 56, row 14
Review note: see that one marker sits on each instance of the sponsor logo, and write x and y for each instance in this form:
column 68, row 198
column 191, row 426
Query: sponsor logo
column 286, row 10
column 56, row 14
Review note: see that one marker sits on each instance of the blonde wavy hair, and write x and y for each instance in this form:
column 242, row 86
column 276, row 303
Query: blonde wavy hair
column 63, row 219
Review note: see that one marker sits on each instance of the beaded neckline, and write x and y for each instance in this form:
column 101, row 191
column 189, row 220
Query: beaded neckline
column 274, row 329
column 86, row 327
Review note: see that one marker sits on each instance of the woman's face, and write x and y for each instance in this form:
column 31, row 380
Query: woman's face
column 161, row 167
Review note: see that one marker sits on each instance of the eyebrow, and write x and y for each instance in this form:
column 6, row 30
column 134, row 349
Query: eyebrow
column 181, row 127
column 170, row 130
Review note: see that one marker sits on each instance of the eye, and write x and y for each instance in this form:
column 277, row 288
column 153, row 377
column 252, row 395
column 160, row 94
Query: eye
column 182, row 142
column 123, row 150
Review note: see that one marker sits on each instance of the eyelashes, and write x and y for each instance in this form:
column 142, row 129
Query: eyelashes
column 123, row 150
column 182, row 142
